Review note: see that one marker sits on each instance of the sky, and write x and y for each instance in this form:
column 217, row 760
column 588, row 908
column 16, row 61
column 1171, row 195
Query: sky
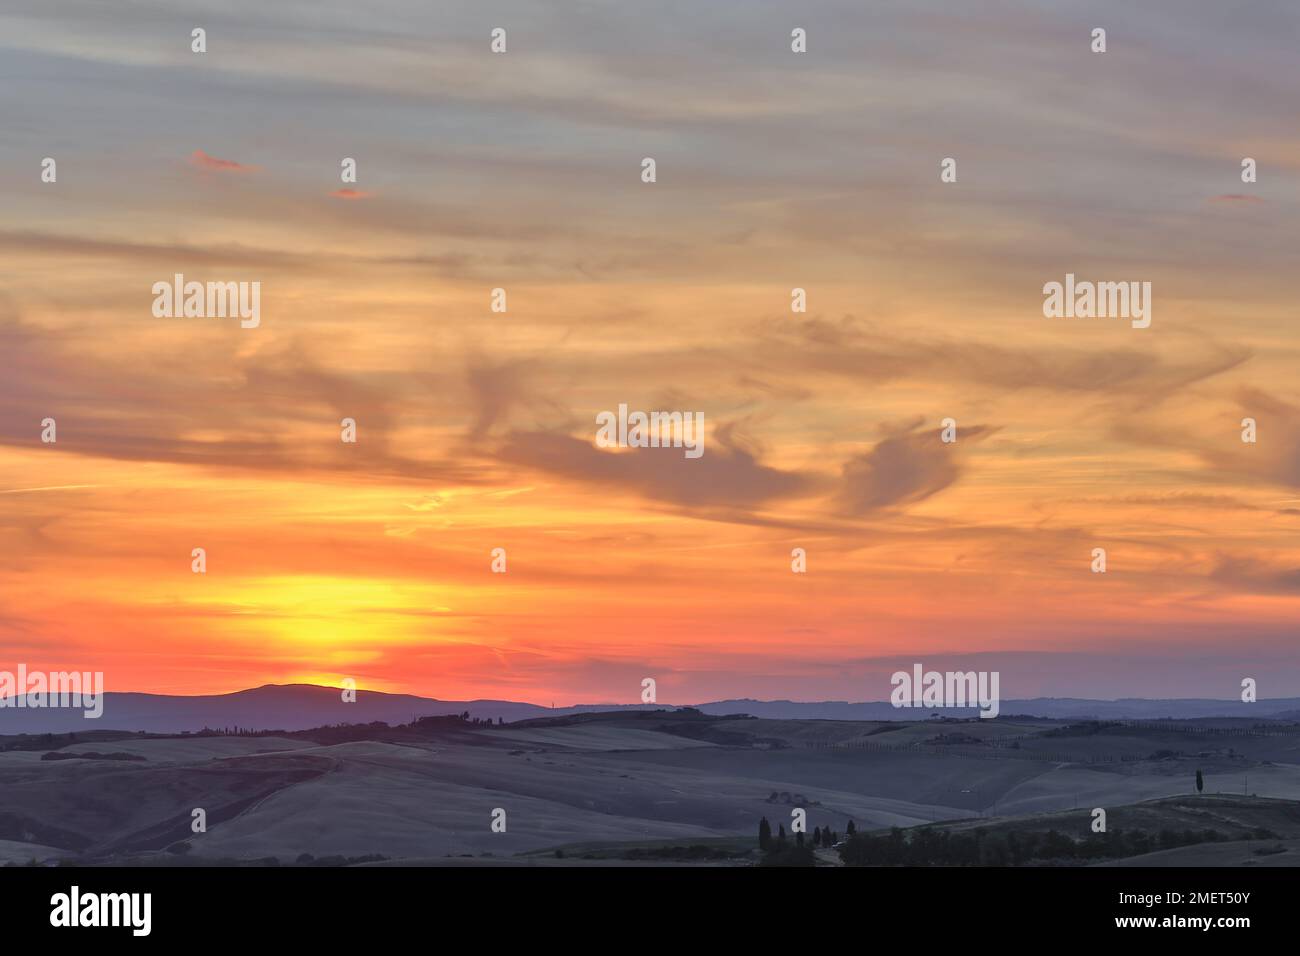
column 476, row 429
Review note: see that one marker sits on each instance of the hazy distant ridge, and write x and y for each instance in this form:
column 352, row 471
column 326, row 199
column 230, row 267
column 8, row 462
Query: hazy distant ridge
column 1132, row 708
column 302, row 706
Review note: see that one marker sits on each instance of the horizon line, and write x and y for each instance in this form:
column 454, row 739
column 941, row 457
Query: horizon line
column 660, row 704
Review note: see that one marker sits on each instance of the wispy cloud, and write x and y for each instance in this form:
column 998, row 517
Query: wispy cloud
column 202, row 160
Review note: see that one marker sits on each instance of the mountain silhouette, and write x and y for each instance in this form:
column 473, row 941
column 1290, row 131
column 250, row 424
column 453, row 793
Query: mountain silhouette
column 303, row 706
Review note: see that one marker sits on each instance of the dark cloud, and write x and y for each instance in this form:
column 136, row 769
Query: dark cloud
column 905, row 467
column 1254, row 576
column 173, row 255
column 149, row 411
column 1273, row 459
column 854, row 348
column 726, row 474
column 498, row 388
column 1276, row 454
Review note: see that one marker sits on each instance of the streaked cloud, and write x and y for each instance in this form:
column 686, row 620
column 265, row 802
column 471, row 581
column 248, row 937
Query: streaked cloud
column 202, row 160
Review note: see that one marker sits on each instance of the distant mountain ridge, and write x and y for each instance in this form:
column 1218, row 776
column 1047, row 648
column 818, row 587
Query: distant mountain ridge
column 1066, row 708
column 303, row 706
column 269, row 707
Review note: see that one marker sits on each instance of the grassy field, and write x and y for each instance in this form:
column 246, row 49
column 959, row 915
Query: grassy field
column 657, row 787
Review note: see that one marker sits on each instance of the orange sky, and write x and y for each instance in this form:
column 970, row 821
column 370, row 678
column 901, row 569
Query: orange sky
column 477, row 429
